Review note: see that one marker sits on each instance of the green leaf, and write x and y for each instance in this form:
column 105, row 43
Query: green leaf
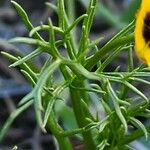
column 115, row 99
column 52, row 39
column 139, row 125
column 12, row 117
column 33, row 54
column 141, row 80
column 126, row 30
column 124, row 102
column 25, row 19
column 106, row 107
column 25, row 99
column 103, row 145
column 48, row 111
column 37, row 91
column 130, row 60
column 44, row 27
column 95, row 42
column 52, row 100
column 52, row 6
column 134, row 89
column 27, row 75
column 103, row 125
column 46, row 73
column 29, row 41
column 75, row 23
column 87, row 23
column 90, row 89
column 9, row 56
column 46, row 47
column 79, row 70
column 111, row 57
column 62, row 15
column 38, row 107
column 23, row 66
column 107, row 48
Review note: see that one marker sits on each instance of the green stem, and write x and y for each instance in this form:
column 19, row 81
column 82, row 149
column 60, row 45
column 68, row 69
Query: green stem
column 53, row 126
column 71, row 132
column 80, row 114
column 64, row 143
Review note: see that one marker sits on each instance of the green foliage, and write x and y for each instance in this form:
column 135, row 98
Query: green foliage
column 118, row 96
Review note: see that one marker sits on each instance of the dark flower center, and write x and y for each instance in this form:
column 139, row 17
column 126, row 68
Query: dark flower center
column 146, row 29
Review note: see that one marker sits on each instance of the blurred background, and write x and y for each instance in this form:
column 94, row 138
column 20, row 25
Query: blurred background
column 111, row 16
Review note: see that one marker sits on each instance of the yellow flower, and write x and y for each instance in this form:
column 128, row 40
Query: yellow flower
column 142, row 32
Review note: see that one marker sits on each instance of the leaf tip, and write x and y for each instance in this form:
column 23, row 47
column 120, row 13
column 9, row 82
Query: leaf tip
column 12, row 65
column 13, row 2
